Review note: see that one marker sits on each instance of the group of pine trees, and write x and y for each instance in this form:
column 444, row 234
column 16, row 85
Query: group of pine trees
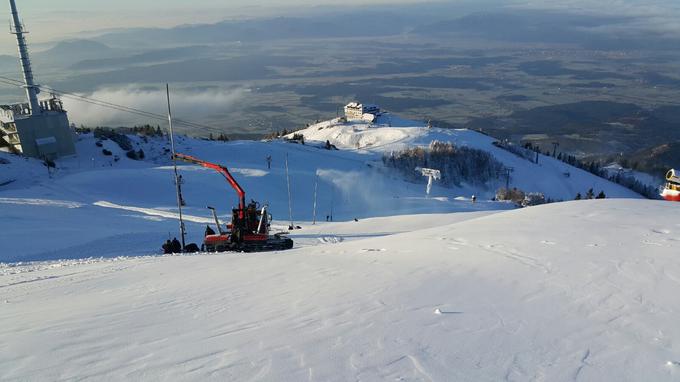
column 591, row 195
column 597, row 168
column 457, row 164
column 277, row 134
column 141, row 130
column 221, row 137
column 522, row 152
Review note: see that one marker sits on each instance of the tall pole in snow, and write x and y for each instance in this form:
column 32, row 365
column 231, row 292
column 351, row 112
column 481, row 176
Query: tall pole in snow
column 508, row 170
column 31, row 88
column 332, row 199
column 316, row 187
column 174, row 164
column 290, row 205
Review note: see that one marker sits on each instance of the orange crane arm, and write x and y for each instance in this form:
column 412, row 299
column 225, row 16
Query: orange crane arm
column 225, row 172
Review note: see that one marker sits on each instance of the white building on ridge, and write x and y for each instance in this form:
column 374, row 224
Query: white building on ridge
column 359, row 111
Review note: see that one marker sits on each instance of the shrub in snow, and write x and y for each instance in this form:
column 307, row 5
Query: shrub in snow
column 457, row 164
column 297, row 138
column 49, row 163
column 107, row 152
column 121, row 139
column 514, row 195
column 533, row 199
column 590, row 194
column 329, row 146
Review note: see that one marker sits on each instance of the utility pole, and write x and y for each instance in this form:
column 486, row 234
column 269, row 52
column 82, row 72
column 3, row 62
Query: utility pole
column 332, row 200
column 555, row 146
column 290, row 205
column 182, row 231
column 316, row 187
column 508, row 170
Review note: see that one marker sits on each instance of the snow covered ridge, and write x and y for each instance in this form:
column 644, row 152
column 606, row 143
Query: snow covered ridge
column 568, row 291
column 556, row 179
column 102, row 203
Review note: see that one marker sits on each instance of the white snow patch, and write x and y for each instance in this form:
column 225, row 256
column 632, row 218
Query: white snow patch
column 154, row 212
column 41, row 202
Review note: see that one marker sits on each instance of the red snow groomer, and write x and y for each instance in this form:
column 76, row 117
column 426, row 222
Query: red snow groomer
column 249, row 227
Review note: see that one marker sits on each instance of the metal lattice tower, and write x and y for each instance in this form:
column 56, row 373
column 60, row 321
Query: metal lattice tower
column 32, row 89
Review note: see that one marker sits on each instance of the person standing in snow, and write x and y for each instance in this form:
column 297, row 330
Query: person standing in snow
column 176, row 246
column 167, row 247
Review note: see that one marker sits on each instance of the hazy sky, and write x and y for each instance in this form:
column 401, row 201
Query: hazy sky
column 50, row 20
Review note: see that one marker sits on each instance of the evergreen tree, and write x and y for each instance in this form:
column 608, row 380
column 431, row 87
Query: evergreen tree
column 601, row 195
column 578, row 196
column 590, row 194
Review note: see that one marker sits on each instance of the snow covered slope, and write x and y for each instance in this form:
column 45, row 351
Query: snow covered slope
column 392, row 133
column 398, row 286
column 569, row 291
column 96, row 206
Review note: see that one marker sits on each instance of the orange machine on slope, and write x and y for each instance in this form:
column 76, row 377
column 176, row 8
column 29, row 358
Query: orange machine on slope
column 249, row 227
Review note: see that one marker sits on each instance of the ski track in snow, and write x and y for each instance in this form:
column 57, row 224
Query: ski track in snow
column 41, row 202
column 155, row 212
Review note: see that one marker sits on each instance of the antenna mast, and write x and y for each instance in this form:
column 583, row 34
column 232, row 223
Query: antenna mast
column 32, row 89
column 174, row 164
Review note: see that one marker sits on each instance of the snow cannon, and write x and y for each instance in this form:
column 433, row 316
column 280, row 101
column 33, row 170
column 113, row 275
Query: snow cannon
column 671, row 190
column 250, row 223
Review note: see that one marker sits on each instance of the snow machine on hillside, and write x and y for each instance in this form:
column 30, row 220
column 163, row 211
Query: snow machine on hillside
column 249, row 227
column 671, row 190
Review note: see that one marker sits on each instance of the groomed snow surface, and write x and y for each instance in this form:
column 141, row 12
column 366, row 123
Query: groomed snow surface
column 570, row 291
column 419, row 288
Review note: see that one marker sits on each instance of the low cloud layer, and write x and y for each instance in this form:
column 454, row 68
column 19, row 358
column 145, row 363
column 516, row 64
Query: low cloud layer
column 194, row 105
column 659, row 16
